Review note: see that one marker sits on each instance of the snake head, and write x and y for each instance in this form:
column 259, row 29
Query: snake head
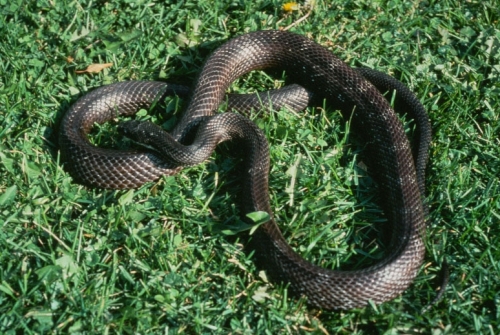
column 149, row 134
column 136, row 130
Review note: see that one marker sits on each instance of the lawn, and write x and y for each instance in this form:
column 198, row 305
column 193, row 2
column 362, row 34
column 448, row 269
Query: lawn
column 164, row 258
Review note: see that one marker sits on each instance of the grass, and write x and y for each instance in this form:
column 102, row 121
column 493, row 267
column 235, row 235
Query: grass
column 153, row 260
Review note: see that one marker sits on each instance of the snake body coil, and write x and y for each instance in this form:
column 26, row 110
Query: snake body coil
column 398, row 171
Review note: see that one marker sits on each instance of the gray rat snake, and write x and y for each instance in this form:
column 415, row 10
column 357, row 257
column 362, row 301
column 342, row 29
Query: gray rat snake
column 397, row 169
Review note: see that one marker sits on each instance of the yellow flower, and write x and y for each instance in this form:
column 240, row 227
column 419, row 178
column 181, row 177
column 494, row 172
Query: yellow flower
column 290, row 7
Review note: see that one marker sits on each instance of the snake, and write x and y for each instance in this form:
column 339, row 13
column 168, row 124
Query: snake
column 397, row 166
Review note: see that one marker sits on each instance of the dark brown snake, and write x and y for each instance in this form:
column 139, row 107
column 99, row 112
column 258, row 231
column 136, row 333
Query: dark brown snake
column 398, row 171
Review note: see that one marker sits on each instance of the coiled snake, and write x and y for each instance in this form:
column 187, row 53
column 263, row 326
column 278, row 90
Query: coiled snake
column 398, row 171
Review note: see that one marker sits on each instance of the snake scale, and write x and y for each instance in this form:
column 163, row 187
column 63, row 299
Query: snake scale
column 398, row 171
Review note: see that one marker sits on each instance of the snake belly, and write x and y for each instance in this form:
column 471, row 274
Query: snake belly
column 398, row 171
